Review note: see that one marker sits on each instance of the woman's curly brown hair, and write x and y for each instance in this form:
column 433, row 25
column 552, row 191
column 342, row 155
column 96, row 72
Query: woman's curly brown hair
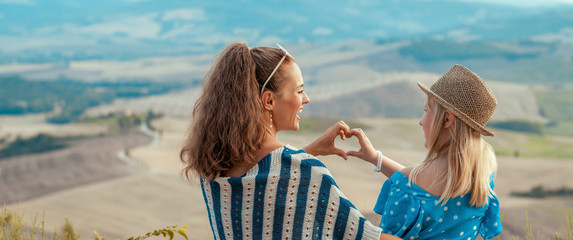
column 229, row 123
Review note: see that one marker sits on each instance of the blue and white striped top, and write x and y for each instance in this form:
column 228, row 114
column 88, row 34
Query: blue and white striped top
column 289, row 194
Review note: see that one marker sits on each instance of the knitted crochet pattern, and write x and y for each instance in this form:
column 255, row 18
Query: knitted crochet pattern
column 289, row 194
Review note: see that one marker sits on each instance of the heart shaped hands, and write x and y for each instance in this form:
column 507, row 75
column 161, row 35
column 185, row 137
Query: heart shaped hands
column 367, row 151
column 324, row 145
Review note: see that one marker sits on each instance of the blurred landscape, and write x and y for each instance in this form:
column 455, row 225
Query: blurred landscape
column 95, row 99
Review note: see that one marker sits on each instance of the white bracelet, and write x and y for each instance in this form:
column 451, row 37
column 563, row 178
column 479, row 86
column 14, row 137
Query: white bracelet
column 378, row 166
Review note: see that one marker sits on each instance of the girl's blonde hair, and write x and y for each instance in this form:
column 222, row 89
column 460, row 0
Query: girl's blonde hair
column 471, row 160
column 229, row 122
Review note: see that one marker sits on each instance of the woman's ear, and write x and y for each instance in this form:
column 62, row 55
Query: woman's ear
column 449, row 119
column 268, row 100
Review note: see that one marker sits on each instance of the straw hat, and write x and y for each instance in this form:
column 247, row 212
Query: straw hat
column 466, row 95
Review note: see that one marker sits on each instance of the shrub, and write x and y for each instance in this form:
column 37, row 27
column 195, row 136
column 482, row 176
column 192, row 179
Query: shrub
column 540, row 192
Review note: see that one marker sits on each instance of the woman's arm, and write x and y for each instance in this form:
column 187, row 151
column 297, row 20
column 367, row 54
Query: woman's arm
column 369, row 154
column 324, row 145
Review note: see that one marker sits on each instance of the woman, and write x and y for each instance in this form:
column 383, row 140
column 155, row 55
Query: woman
column 254, row 186
column 449, row 195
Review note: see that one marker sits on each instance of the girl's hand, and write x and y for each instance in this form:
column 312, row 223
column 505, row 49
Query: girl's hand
column 367, row 151
column 324, row 145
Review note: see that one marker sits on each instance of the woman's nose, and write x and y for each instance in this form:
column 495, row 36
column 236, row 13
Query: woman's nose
column 306, row 99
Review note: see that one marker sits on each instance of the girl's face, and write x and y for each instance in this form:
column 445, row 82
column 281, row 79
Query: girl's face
column 289, row 100
column 426, row 121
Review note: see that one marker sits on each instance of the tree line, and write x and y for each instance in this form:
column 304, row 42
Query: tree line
column 66, row 100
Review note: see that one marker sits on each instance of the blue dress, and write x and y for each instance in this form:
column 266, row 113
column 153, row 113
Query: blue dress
column 410, row 212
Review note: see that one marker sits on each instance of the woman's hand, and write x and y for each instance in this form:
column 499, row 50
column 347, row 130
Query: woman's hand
column 324, row 145
column 367, row 151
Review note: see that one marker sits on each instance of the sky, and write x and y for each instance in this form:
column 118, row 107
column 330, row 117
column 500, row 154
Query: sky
column 180, row 24
column 522, row 3
column 527, row 3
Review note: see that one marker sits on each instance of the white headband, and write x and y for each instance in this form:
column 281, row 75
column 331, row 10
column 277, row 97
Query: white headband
column 277, row 67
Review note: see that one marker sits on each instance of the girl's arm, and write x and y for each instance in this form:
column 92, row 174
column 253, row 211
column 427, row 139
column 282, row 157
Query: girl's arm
column 369, row 154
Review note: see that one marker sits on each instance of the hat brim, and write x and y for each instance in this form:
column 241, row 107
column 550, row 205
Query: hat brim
column 461, row 115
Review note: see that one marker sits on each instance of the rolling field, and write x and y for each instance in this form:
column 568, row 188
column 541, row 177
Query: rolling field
column 155, row 196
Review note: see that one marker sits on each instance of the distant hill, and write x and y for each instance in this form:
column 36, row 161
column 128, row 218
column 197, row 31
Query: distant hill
column 358, row 77
column 400, row 97
column 395, row 100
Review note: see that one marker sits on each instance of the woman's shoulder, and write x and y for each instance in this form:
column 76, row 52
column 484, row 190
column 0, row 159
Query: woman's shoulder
column 308, row 163
column 297, row 154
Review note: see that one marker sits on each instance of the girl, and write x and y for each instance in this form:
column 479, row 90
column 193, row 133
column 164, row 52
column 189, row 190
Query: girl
column 449, row 195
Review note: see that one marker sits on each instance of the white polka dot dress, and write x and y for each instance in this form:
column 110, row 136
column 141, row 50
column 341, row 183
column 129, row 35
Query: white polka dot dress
column 409, row 212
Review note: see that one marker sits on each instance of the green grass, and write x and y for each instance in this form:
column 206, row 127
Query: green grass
column 556, row 105
column 530, row 145
column 560, row 129
column 538, row 146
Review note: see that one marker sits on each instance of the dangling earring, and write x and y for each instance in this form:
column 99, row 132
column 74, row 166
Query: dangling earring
column 271, row 120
